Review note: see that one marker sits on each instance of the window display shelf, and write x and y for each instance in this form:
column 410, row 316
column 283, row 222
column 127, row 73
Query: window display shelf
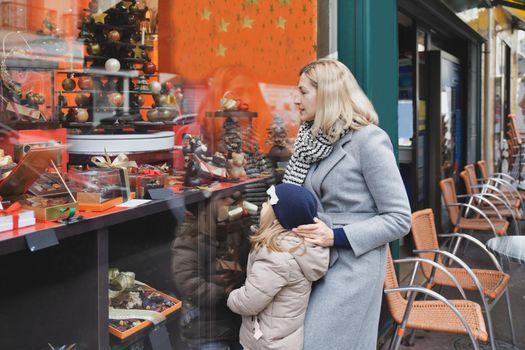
column 59, row 294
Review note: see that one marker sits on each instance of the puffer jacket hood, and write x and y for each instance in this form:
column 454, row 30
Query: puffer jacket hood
column 313, row 263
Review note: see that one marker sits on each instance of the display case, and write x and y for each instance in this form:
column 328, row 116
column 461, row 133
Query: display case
column 27, row 91
column 127, row 104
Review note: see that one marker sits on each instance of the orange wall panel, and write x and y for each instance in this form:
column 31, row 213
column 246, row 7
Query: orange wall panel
column 273, row 38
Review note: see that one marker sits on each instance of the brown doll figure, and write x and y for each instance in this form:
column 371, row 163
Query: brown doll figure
column 236, row 165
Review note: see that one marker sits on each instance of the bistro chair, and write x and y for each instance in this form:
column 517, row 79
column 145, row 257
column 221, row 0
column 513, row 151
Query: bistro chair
column 501, row 205
column 490, row 283
column 504, row 181
column 440, row 315
column 460, row 218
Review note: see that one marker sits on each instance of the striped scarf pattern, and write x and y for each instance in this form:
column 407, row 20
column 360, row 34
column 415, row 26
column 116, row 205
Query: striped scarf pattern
column 308, row 149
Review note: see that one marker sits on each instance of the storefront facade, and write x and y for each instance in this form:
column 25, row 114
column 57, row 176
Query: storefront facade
column 188, row 103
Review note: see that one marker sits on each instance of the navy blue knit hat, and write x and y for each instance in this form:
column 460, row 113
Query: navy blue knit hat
column 293, row 205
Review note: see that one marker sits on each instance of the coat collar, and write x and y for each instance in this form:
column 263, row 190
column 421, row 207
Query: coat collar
column 322, row 168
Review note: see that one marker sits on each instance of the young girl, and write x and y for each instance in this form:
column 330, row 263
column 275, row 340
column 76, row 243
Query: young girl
column 280, row 272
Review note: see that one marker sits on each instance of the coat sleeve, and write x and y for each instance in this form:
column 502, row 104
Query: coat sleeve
column 382, row 177
column 265, row 279
column 189, row 274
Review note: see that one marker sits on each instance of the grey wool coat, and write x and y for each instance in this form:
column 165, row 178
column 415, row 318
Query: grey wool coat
column 359, row 188
column 274, row 298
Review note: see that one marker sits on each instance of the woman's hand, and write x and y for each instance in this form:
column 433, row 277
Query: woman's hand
column 318, row 233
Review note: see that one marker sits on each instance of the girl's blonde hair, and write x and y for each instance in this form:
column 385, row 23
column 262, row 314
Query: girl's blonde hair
column 269, row 232
column 341, row 103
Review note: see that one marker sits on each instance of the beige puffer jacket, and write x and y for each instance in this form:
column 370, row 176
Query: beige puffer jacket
column 275, row 296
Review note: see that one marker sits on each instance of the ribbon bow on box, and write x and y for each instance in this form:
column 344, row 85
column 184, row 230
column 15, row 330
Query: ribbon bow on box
column 123, row 281
column 121, row 161
column 12, row 210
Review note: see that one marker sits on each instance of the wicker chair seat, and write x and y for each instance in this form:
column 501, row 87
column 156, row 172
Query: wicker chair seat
column 504, row 212
column 443, row 318
column 475, row 224
column 492, row 281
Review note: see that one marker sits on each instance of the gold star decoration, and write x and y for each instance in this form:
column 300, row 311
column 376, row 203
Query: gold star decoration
column 100, row 17
column 221, row 50
column 281, row 22
column 252, row 2
column 247, row 22
column 205, row 14
column 137, row 52
column 285, row 2
column 223, row 26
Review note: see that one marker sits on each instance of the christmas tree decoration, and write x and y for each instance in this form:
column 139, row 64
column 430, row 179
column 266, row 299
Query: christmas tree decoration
column 142, row 84
column 93, row 5
column 113, row 35
column 82, row 100
column 93, row 49
column 155, row 87
column 167, row 87
column 69, row 84
column 153, row 115
column 133, row 7
column 85, row 82
column 100, row 17
column 149, row 67
column 81, row 115
column 112, row 65
column 231, row 138
column 116, row 99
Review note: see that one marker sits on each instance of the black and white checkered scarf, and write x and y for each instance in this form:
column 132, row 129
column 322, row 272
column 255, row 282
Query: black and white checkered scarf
column 308, row 149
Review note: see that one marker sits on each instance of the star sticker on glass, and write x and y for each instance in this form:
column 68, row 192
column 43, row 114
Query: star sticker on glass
column 281, row 22
column 100, row 17
column 223, row 26
column 221, row 50
column 205, row 14
column 247, row 22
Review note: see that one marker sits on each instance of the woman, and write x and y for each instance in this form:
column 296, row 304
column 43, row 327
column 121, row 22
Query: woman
column 343, row 157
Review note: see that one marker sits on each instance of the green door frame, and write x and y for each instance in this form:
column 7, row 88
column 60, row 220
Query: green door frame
column 367, row 43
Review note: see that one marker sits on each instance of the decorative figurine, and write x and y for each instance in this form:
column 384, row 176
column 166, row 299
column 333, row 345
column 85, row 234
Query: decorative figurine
column 236, row 165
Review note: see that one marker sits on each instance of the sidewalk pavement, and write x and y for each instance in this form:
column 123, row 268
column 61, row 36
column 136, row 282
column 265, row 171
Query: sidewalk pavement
column 476, row 258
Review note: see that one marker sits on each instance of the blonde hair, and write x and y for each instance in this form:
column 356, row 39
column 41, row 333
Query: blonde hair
column 341, row 103
column 269, row 232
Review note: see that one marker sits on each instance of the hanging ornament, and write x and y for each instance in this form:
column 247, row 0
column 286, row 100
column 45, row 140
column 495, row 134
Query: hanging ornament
column 155, row 87
column 85, row 82
column 132, row 18
column 81, row 115
column 121, row 6
column 140, row 101
column 69, row 84
column 153, row 115
column 133, row 7
column 94, row 49
column 166, row 115
column 113, row 35
column 112, row 65
column 82, row 100
column 93, row 5
column 116, row 99
column 161, row 100
column 149, row 67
